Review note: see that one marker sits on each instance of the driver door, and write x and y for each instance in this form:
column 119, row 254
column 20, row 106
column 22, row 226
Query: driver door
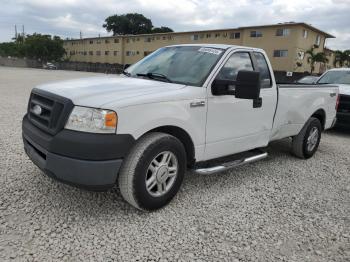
column 234, row 125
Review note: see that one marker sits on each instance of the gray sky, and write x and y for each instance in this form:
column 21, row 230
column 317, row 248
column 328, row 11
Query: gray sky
column 67, row 17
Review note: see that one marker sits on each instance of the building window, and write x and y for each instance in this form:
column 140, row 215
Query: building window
column 91, row 42
column 98, row 42
column 194, row 37
column 170, row 37
column 72, row 53
column 91, row 52
column 148, row 39
column 130, row 53
column 127, row 40
column 217, row 35
column 305, row 33
column 115, row 53
column 98, row 53
column 282, row 32
column 106, row 52
column 85, row 53
column 256, row 34
column 107, row 41
column 116, row 40
column 280, row 53
column 318, row 40
column 158, row 37
column 164, row 37
column 137, row 39
column 146, row 53
column 235, row 35
column 208, row 35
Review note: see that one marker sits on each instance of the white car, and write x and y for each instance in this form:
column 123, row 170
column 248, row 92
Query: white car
column 206, row 107
column 49, row 66
column 341, row 78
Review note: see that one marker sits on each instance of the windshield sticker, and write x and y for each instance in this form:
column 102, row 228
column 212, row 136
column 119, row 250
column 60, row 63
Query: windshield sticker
column 210, row 50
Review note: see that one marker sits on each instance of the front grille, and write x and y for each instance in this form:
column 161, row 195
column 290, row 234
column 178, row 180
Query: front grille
column 53, row 110
column 344, row 104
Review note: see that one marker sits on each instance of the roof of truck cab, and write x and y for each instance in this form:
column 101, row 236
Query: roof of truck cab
column 340, row 69
column 222, row 46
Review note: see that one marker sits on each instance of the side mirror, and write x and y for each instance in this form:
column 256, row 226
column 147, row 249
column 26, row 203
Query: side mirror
column 248, row 85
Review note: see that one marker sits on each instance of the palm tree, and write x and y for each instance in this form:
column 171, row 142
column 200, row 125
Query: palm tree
column 315, row 58
column 341, row 58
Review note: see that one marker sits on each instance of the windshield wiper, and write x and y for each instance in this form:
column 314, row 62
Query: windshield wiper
column 126, row 73
column 155, row 75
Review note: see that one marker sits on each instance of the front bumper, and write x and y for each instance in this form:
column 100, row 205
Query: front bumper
column 82, row 159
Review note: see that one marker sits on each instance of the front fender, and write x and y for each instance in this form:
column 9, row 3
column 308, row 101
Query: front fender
column 140, row 119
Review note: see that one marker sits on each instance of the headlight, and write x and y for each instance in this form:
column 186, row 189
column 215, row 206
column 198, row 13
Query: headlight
column 92, row 120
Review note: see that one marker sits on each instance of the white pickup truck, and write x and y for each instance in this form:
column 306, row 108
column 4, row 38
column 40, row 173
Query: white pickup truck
column 341, row 78
column 203, row 107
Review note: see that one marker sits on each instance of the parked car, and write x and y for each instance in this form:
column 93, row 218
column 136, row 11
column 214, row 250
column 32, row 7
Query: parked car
column 341, row 78
column 307, row 80
column 49, row 66
column 205, row 107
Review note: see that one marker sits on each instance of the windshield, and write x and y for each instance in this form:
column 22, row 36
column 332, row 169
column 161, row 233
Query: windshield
column 189, row 65
column 335, row 77
column 307, row 80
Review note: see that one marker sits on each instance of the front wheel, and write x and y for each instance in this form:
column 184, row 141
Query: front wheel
column 153, row 171
column 305, row 144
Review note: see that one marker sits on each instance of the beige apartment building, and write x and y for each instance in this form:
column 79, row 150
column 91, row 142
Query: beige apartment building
column 284, row 43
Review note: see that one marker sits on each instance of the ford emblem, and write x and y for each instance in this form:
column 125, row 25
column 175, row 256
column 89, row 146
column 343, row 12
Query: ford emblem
column 37, row 110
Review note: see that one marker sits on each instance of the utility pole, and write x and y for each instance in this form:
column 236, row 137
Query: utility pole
column 16, row 33
column 23, row 36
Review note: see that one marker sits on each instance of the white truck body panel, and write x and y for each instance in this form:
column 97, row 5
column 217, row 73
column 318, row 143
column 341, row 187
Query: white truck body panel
column 224, row 126
column 296, row 105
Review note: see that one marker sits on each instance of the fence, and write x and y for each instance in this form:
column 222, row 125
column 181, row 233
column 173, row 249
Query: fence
column 91, row 67
column 76, row 66
column 19, row 62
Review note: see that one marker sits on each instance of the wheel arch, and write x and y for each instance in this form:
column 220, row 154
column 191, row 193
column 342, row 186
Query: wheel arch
column 320, row 114
column 184, row 138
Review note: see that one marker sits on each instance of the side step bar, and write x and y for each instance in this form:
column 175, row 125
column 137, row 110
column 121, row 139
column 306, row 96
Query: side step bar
column 230, row 165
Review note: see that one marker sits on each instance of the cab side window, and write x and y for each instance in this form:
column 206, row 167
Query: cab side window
column 265, row 75
column 238, row 61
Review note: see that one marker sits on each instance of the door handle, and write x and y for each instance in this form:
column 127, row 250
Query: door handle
column 197, row 104
column 332, row 94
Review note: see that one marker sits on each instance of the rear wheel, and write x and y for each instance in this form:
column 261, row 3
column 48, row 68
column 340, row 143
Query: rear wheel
column 306, row 143
column 152, row 173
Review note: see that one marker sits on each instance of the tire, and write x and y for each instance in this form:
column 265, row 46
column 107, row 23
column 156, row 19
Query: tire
column 136, row 170
column 301, row 145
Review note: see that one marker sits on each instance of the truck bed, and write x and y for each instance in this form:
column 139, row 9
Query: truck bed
column 297, row 102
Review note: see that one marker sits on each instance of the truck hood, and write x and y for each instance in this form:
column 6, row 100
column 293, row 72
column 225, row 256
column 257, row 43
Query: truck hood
column 102, row 90
column 344, row 89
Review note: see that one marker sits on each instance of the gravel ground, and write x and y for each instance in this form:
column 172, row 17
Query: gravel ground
column 279, row 209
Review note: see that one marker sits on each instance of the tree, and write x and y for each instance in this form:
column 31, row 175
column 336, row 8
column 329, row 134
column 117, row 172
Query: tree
column 162, row 29
column 11, row 49
column 36, row 46
column 132, row 24
column 341, row 58
column 44, row 47
column 315, row 58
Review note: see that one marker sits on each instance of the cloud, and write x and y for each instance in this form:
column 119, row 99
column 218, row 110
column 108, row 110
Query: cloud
column 68, row 17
